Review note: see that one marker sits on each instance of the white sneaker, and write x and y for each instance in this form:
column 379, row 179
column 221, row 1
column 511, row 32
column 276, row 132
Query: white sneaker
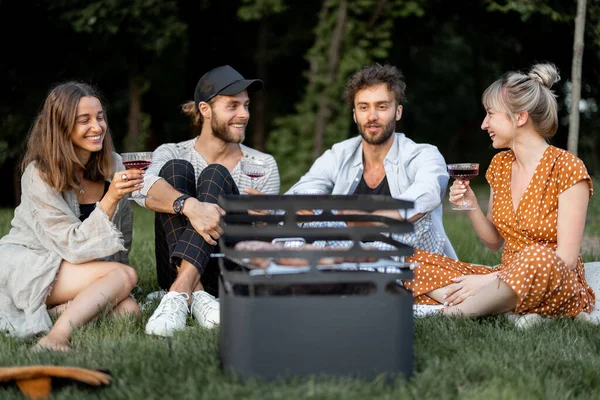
column 526, row 321
column 206, row 309
column 170, row 315
column 423, row 310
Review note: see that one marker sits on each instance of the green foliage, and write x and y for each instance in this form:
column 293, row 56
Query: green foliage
column 529, row 7
column 252, row 10
column 138, row 143
column 366, row 37
column 150, row 25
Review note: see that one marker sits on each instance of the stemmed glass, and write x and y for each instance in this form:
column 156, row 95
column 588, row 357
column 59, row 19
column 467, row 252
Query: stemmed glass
column 137, row 160
column 463, row 172
column 253, row 168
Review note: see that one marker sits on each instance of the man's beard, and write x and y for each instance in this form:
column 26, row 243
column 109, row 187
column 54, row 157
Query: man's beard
column 220, row 130
column 388, row 130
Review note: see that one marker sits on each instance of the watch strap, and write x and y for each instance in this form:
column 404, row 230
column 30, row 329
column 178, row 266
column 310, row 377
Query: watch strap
column 180, row 200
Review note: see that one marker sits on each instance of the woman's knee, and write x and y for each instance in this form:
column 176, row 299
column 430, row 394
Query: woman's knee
column 132, row 276
column 536, row 258
column 126, row 275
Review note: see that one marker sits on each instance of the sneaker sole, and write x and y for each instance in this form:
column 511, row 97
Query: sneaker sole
column 161, row 332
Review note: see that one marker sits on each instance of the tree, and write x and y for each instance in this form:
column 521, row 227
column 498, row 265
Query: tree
column 138, row 29
column 348, row 35
column 576, row 77
column 261, row 10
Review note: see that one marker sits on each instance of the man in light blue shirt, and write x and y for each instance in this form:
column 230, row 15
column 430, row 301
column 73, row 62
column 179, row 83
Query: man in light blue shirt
column 383, row 162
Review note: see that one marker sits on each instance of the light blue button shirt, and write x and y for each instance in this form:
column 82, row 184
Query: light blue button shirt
column 415, row 172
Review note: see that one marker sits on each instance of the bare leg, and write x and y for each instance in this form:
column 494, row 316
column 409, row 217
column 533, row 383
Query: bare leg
column 438, row 294
column 127, row 306
column 92, row 287
column 188, row 279
column 495, row 298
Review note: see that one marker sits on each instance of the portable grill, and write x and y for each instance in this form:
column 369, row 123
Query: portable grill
column 270, row 333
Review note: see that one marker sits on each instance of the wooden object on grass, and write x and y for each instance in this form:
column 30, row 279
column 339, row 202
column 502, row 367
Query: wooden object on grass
column 35, row 381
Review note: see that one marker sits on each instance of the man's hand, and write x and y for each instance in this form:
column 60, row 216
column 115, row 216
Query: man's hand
column 205, row 218
column 358, row 223
column 466, row 286
column 255, row 192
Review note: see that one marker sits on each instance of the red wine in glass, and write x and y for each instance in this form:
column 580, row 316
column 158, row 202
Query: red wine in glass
column 137, row 160
column 253, row 168
column 255, row 175
column 137, row 164
column 463, row 172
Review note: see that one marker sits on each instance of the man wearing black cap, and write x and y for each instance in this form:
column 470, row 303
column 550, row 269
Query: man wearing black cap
column 184, row 183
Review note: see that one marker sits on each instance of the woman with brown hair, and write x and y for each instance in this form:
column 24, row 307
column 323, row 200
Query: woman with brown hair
column 67, row 249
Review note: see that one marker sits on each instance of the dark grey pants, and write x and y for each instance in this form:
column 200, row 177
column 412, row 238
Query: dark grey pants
column 175, row 237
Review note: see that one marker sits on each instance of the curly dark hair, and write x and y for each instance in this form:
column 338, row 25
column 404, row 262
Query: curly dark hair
column 373, row 75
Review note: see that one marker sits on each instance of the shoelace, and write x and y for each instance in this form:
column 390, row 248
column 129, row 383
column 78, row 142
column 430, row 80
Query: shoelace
column 172, row 305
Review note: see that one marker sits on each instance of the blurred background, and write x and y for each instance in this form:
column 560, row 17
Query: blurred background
column 147, row 55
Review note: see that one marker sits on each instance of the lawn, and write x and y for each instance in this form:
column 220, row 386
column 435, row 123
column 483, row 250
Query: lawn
column 485, row 358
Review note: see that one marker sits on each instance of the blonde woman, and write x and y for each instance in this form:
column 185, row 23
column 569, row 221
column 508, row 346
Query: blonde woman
column 67, row 248
column 538, row 203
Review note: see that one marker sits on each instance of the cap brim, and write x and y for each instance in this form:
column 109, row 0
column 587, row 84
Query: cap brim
column 251, row 85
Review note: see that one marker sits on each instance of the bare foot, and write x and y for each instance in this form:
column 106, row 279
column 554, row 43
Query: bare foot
column 47, row 343
column 452, row 310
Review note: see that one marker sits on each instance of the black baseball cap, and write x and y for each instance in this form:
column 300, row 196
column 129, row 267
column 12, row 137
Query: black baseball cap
column 223, row 80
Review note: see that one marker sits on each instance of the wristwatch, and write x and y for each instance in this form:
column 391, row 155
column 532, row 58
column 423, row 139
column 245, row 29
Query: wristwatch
column 178, row 203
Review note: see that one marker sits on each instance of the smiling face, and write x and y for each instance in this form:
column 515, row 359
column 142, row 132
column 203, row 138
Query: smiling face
column 375, row 113
column 89, row 130
column 229, row 117
column 500, row 128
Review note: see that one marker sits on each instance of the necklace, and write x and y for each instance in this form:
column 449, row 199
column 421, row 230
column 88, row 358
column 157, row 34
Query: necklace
column 80, row 186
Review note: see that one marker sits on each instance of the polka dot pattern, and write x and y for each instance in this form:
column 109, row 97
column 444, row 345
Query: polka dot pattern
column 529, row 264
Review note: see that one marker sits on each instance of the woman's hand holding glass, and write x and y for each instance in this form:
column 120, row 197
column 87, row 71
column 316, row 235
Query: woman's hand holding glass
column 125, row 182
column 461, row 194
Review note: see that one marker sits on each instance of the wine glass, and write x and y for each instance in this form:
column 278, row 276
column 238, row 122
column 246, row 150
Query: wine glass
column 463, row 172
column 253, row 168
column 137, row 160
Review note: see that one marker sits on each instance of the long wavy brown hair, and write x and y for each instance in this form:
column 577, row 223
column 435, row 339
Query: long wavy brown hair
column 49, row 143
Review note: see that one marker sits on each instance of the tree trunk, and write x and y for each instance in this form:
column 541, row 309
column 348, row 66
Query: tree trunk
column 324, row 111
column 259, row 101
column 576, row 77
column 132, row 139
column 378, row 11
column 314, row 64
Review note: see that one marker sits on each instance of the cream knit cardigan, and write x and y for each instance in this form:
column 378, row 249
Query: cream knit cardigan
column 45, row 231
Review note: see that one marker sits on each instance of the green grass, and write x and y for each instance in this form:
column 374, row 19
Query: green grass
column 485, row 358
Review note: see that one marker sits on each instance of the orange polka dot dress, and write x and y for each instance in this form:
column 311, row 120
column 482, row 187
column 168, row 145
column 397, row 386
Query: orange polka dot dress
column 529, row 264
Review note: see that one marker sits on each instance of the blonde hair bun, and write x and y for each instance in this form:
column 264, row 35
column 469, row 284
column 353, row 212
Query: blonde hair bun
column 546, row 74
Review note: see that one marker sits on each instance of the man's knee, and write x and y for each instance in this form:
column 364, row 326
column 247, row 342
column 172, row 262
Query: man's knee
column 175, row 170
column 215, row 170
column 215, row 179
